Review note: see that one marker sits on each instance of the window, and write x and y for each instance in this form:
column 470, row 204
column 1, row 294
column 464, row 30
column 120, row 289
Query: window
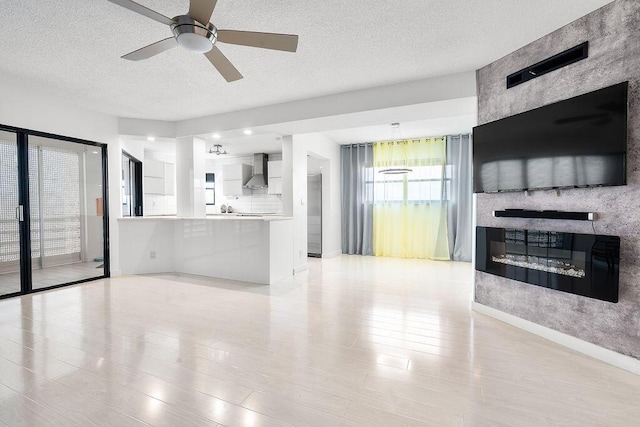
column 210, row 189
column 424, row 184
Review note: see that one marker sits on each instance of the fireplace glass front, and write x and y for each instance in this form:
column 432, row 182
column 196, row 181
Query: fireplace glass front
column 582, row 264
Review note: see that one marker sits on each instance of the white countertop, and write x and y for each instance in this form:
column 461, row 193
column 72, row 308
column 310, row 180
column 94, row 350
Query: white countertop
column 215, row 217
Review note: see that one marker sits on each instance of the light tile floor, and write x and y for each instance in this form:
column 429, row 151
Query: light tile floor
column 353, row 341
column 51, row 276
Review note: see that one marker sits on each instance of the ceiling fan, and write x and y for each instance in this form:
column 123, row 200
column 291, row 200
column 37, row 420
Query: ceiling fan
column 195, row 33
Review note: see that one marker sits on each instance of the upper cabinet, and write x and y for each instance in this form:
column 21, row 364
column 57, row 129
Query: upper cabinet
column 274, row 169
column 159, row 178
column 234, row 177
column 169, row 179
column 153, row 169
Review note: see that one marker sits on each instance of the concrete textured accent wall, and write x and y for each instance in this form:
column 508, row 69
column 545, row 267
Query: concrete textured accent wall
column 613, row 33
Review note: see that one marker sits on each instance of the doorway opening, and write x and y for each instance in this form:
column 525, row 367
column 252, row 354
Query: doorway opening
column 131, row 185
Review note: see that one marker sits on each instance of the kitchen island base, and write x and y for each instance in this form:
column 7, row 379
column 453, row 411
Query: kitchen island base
column 248, row 249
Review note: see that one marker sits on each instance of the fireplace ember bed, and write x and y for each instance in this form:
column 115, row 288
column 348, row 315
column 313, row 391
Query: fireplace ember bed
column 581, row 264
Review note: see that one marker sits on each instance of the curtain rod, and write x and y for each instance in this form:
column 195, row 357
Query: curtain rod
column 364, row 144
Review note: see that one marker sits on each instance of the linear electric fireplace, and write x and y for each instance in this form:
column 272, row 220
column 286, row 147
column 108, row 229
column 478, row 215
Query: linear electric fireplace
column 582, row 264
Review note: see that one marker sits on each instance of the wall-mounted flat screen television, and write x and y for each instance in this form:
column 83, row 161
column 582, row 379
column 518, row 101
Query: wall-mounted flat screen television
column 578, row 142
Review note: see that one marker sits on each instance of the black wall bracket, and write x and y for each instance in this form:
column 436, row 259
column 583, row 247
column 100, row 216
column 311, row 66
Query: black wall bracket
column 553, row 63
column 525, row 213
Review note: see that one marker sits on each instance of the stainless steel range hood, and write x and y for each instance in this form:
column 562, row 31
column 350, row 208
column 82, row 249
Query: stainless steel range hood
column 259, row 178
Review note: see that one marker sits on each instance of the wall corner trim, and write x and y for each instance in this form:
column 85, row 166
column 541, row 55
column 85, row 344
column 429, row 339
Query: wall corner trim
column 299, row 269
column 608, row 356
column 332, row 254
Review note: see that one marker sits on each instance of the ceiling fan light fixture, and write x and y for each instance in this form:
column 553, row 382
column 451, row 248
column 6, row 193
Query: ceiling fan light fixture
column 192, row 35
column 194, row 42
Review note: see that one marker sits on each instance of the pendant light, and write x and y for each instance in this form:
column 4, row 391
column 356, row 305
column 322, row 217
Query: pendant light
column 217, row 149
column 395, row 136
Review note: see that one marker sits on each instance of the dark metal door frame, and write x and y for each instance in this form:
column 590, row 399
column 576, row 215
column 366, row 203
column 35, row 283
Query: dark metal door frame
column 24, row 212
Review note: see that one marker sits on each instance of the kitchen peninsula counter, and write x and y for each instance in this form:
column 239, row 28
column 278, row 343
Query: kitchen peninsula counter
column 257, row 249
column 214, row 217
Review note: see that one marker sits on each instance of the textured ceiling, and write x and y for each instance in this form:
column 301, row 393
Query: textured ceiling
column 73, row 47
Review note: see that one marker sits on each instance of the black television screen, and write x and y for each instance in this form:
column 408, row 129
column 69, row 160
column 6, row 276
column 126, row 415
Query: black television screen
column 578, row 142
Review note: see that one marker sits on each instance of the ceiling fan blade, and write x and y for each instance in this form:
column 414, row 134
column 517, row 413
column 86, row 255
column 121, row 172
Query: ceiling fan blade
column 145, row 11
column 223, row 65
column 201, row 10
column 151, row 50
column 286, row 42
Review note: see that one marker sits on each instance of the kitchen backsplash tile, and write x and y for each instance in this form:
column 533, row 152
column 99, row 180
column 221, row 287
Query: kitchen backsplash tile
column 157, row 204
column 259, row 202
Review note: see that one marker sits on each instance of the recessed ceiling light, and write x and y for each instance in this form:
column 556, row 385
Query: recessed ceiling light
column 215, row 136
column 150, row 138
column 94, row 152
column 248, row 131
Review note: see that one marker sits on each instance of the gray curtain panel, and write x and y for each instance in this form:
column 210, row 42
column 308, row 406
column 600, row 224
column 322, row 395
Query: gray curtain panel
column 460, row 196
column 357, row 199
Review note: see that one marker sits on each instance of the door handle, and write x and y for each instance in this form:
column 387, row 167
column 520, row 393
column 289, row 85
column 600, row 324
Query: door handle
column 20, row 213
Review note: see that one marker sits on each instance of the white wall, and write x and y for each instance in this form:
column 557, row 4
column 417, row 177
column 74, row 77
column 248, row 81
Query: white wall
column 190, row 176
column 133, row 148
column 39, row 108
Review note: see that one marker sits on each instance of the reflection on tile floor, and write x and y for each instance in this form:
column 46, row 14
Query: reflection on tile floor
column 51, row 276
column 354, row 341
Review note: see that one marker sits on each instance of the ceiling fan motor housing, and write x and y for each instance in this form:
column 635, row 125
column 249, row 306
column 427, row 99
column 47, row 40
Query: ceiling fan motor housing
column 193, row 35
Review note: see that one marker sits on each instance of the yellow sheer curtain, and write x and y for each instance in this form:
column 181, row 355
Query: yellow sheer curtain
column 410, row 212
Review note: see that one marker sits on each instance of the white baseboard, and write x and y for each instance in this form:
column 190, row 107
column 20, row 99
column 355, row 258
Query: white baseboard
column 115, row 273
column 300, row 269
column 608, row 356
column 332, row 254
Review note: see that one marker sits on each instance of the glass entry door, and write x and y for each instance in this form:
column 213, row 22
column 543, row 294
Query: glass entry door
column 10, row 214
column 53, row 223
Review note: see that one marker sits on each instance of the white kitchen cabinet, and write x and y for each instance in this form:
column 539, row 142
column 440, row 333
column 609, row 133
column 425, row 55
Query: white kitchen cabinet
column 274, row 169
column 169, row 179
column 153, row 185
column 153, row 168
column 275, row 186
column 159, row 178
column 234, row 177
column 233, row 187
